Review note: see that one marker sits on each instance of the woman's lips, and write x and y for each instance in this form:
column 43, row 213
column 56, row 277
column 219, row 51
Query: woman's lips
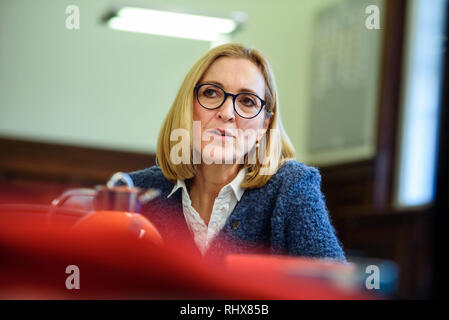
column 222, row 132
column 221, row 136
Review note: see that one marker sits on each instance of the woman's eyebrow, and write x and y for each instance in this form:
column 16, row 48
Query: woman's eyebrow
column 240, row 90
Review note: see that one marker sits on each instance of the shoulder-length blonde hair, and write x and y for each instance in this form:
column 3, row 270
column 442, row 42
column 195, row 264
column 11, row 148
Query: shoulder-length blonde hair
column 278, row 148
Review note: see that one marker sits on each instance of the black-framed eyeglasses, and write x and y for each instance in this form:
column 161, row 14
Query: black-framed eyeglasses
column 211, row 96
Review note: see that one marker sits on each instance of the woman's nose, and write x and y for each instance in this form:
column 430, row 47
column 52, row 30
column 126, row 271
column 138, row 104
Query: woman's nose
column 226, row 111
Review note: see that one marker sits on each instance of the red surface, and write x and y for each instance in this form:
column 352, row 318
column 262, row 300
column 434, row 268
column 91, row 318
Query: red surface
column 116, row 262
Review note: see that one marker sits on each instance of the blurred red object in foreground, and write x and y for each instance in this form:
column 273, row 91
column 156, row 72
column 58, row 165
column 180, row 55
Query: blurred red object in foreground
column 121, row 224
column 116, row 260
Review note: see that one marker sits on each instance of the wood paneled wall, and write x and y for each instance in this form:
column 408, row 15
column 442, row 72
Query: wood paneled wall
column 65, row 163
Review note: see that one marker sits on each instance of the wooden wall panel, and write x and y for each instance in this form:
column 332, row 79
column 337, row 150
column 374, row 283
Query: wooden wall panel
column 64, row 163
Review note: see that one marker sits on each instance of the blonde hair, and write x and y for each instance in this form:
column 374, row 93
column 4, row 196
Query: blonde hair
column 180, row 116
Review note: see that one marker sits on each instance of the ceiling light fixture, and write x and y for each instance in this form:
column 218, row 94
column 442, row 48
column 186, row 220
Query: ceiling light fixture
column 174, row 24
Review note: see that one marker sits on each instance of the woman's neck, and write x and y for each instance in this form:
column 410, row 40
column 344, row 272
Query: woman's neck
column 206, row 185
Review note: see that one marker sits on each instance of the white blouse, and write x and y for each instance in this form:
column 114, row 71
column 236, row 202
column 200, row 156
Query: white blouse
column 224, row 204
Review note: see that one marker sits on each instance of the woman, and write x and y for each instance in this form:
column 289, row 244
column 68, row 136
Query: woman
column 232, row 179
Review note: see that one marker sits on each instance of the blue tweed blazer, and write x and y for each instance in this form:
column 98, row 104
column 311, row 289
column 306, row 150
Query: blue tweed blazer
column 288, row 215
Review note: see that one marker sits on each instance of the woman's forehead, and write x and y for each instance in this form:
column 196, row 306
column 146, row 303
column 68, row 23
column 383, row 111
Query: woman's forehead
column 235, row 74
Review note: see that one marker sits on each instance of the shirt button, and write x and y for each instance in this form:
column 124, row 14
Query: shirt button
column 235, row 224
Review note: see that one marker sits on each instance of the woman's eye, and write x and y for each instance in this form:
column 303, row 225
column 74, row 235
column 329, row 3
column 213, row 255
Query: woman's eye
column 248, row 102
column 210, row 93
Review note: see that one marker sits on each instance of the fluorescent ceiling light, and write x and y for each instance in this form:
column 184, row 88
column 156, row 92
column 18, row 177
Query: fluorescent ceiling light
column 172, row 24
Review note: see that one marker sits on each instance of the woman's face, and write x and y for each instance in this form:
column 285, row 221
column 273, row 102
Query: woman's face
column 227, row 137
